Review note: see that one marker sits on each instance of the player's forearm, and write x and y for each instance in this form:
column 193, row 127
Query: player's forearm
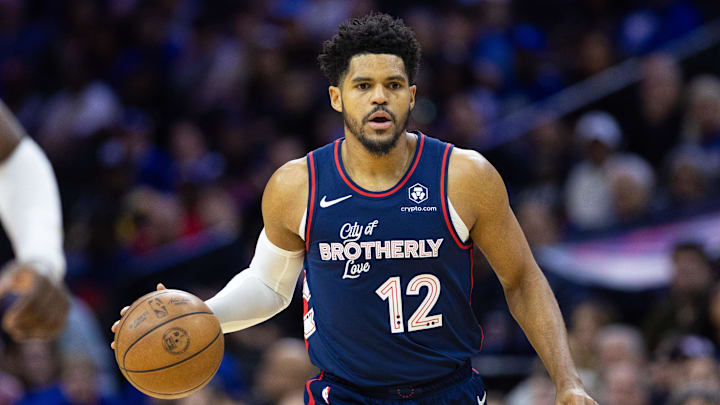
column 533, row 305
column 30, row 209
column 246, row 301
column 261, row 291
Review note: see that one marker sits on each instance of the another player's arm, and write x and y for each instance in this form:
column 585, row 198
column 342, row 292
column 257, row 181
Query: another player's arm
column 31, row 216
column 478, row 193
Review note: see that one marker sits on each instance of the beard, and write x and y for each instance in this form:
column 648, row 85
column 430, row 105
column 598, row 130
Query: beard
column 376, row 147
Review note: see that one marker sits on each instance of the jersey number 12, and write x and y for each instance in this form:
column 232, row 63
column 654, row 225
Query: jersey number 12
column 390, row 290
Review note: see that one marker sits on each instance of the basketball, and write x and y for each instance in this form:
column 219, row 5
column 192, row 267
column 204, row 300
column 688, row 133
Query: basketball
column 169, row 344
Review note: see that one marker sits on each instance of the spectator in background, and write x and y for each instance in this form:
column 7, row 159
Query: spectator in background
column 537, row 389
column 620, row 366
column 37, row 365
column 285, row 367
column 632, row 183
column 653, row 121
column 681, row 311
column 586, row 321
column 696, row 396
column 625, row 383
column 702, row 119
column 607, row 188
column 688, row 180
column 714, row 315
column 80, row 384
column 539, row 223
column 548, row 158
column 80, row 109
column 619, row 344
column 594, row 55
column 684, row 362
column 151, row 219
column 194, row 163
column 588, row 198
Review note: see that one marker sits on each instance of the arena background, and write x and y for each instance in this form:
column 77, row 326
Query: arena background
column 164, row 119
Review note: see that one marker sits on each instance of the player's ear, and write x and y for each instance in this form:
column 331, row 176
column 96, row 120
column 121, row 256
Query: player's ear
column 413, row 89
column 335, row 98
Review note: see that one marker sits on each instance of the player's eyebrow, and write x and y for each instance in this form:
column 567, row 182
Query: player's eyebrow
column 361, row 79
column 396, row 78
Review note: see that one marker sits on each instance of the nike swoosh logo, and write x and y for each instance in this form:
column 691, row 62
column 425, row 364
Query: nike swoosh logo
column 482, row 402
column 325, row 204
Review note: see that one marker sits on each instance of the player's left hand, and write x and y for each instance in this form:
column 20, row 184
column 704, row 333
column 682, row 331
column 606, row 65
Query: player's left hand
column 573, row 396
column 37, row 306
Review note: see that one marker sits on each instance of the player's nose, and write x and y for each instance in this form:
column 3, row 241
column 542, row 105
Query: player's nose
column 379, row 96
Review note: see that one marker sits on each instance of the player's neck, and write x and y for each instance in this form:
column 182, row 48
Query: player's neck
column 377, row 172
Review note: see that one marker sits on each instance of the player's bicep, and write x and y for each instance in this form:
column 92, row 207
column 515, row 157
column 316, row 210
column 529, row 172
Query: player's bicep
column 497, row 232
column 283, row 205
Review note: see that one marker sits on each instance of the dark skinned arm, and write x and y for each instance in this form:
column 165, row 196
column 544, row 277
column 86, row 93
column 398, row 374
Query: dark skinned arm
column 478, row 192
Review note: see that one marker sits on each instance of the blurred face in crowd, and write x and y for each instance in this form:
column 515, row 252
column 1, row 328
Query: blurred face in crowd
column 38, row 362
column 598, row 152
column 702, row 372
column 285, row 367
column 375, row 99
column 687, row 183
column 631, row 197
column 625, row 385
column 660, row 86
column 79, row 379
column 692, row 272
column 704, row 103
column 619, row 345
column 715, row 309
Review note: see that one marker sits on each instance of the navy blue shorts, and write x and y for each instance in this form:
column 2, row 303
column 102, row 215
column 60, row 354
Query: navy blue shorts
column 462, row 387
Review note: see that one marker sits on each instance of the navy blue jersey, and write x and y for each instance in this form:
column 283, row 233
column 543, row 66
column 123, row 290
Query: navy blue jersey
column 387, row 279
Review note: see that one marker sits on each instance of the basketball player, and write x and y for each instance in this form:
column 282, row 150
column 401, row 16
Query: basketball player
column 32, row 292
column 383, row 222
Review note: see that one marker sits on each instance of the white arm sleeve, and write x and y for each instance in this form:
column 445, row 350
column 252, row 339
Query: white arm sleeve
column 30, row 209
column 261, row 291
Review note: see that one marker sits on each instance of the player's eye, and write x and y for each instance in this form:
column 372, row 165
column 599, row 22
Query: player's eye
column 395, row 85
column 363, row 86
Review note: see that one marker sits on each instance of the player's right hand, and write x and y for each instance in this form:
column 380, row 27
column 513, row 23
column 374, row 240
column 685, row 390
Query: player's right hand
column 37, row 306
column 160, row 286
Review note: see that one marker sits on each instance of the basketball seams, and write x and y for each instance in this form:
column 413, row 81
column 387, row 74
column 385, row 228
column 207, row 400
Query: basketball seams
column 155, row 328
column 176, row 394
column 135, row 305
column 181, row 361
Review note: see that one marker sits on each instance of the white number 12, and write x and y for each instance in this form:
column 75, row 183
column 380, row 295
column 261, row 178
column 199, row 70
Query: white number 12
column 390, row 290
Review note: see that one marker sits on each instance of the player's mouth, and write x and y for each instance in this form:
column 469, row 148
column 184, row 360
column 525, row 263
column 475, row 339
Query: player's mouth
column 380, row 120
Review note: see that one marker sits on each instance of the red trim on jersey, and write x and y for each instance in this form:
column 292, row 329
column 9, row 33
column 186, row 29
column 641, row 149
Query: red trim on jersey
column 472, row 276
column 305, row 310
column 386, row 193
column 443, row 201
column 482, row 337
column 311, row 401
column 312, row 201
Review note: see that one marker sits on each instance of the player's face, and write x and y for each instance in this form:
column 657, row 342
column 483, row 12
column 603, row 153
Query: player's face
column 375, row 100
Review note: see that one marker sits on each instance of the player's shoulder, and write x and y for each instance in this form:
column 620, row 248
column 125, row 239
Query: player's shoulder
column 474, row 184
column 290, row 180
column 286, row 192
column 469, row 166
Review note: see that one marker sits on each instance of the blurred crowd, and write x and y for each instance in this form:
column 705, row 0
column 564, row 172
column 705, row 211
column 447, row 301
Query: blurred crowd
column 164, row 120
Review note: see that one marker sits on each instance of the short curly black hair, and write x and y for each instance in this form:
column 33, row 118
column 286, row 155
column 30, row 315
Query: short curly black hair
column 373, row 33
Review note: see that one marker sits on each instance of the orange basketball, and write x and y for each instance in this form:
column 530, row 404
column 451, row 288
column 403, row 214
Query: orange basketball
column 169, row 344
